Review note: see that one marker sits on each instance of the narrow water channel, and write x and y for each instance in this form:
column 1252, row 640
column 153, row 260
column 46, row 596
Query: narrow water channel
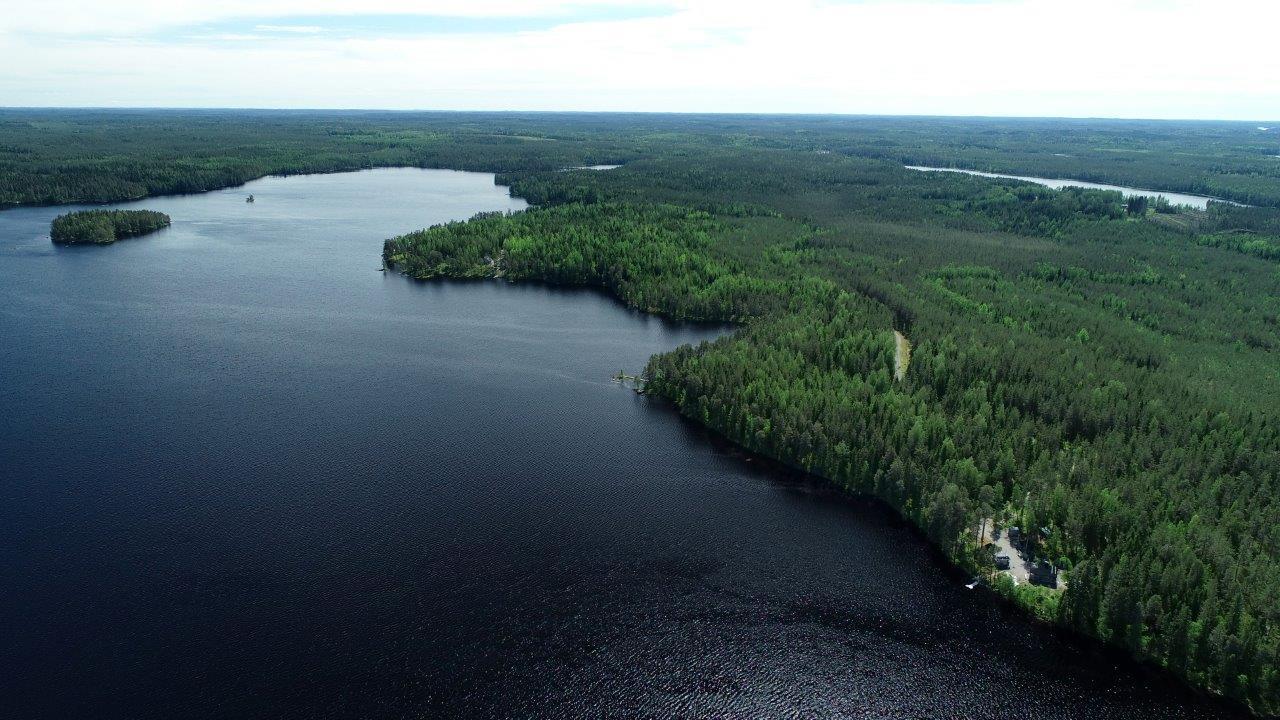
column 1196, row 201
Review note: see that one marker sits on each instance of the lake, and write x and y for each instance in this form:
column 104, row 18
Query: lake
column 1197, row 201
column 247, row 475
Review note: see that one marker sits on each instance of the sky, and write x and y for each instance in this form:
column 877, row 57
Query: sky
column 1202, row 59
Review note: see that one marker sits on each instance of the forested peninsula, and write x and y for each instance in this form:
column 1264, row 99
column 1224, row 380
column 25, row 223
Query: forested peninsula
column 1099, row 373
column 1082, row 368
column 102, row 227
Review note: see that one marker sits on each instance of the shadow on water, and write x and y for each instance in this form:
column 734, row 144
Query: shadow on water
column 571, row 292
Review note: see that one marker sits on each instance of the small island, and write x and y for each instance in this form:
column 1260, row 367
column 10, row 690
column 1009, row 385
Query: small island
column 102, row 227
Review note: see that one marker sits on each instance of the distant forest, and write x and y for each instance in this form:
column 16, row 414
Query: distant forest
column 65, row 156
column 1103, row 373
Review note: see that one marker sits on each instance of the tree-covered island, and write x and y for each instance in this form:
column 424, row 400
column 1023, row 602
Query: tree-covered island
column 102, row 227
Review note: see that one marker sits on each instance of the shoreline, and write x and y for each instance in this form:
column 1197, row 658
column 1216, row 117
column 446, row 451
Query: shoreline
column 951, row 564
column 954, row 566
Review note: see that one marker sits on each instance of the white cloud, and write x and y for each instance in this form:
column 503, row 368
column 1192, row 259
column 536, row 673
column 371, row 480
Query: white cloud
column 71, row 17
column 299, row 29
column 1128, row 58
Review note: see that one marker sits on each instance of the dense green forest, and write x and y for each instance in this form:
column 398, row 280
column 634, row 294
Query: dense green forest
column 1105, row 370
column 63, row 156
column 105, row 226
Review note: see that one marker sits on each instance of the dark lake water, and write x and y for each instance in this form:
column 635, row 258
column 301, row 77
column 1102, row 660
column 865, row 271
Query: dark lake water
column 245, row 475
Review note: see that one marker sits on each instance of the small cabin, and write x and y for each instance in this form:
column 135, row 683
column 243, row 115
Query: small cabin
column 1044, row 573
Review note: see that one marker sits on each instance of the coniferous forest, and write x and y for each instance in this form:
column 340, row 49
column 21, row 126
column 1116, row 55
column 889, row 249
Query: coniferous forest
column 1103, row 373
column 103, row 227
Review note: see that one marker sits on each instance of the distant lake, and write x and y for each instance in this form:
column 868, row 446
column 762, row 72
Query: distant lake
column 243, row 474
column 1197, row 201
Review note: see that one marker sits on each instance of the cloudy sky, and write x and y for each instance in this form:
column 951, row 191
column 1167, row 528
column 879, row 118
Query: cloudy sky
column 1102, row 58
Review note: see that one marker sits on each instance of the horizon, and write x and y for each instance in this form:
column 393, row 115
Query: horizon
column 655, row 113
column 930, row 58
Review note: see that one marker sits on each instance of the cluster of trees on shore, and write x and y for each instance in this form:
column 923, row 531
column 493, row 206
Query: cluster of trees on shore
column 1080, row 364
column 648, row 255
column 1076, row 366
column 104, row 226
